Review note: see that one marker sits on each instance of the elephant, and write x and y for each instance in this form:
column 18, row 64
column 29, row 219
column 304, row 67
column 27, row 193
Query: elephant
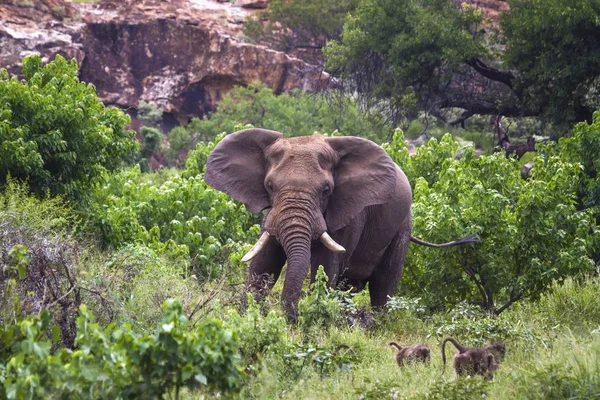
column 339, row 202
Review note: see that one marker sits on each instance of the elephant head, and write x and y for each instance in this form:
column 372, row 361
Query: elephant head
column 310, row 185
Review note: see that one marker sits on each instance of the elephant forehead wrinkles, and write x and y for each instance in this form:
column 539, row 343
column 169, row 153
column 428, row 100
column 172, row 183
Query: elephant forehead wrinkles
column 301, row 158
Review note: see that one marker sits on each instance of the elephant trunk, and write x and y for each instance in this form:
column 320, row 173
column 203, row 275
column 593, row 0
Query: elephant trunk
column 295, row 224
column 296, row 245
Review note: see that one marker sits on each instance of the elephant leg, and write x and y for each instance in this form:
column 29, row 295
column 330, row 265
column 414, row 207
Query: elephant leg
column 386, row 276
column 265, row 269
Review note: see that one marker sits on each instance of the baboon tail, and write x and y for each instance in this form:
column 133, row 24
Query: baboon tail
column 396, row 345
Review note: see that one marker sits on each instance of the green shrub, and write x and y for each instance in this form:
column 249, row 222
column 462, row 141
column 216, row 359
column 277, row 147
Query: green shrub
column 468, row 388
column 320, row 308
column 293, row 114
column 149, row 113
column 181, row 217
column 256, row 333
column 297, row 358
column 572, row 304
column 135, row 282
column 151, row 142
column 54, row 131
column 531, row 231
column 39, row 228
column 570, row 371
column 115, row 362
column 180, row 140
column 472, row 326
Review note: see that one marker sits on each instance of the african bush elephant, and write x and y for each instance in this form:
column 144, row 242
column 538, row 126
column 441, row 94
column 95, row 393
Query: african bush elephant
column 340, row 202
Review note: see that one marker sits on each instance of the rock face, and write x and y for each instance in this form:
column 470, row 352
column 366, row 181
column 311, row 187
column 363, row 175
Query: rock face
column 181, row 54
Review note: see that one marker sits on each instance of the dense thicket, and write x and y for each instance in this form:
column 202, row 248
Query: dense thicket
column 87, row 319
column 441, row 55
column 294, row 114
column 54, row 131
column 298, row 24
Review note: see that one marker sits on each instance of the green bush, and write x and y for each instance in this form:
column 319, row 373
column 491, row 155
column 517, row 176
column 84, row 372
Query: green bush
column 256, row 333
column 134, row 283
column 572, row 304
column 569, row 371
column 181, row 217
column 39, row 228
column 151, row 142
column 531, row 231
column 54, row 131
column 293, row 114
column 320, row 308
column 117, row 363
column 149, row 113
column 180, row 140
column 583, row 149
column 472, row 326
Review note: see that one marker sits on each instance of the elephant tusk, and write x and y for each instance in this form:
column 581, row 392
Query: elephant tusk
column 262, row 240
column 331, row 244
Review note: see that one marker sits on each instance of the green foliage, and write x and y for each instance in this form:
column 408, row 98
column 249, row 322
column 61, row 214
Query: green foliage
column 54, row 131
column 181, row 217
column 116, row 362
column 180, row 140
column 293, row 114
column 196, row 161
column 299, row 24
column 555, row 47
column 531, row 231
column 435, row 56
column 472, row 326
column 429, row 161
column 149, row 113
column 152, row 139
column 37, row 229
column 32, row 214
column 572, row 304
column 583, row 148
column 402, row 50
column 320, row 309
column 570, row 372
column 151, row 143
column 134, row 283
column 299, row 357
column 469, row 388
column 257, row 334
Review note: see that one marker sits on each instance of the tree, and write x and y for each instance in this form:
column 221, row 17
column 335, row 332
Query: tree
column 149, row 113
column 294, row 114
column 293, row 24
column 531, row 230
column 554, row 47
column 439, row 56
column 55, row 132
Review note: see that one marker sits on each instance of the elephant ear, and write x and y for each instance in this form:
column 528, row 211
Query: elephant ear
column 365, row 176
column 236, row 166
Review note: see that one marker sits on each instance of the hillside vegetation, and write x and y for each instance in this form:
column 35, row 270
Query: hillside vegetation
column 120, row 283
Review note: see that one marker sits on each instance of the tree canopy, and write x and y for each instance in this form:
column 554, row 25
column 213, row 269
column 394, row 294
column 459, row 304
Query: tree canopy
column 55, row 132
column 440, row 56
column 292, row 24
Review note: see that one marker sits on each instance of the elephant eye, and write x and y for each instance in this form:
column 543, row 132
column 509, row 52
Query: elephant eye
column 270, row 185
column 326, row 190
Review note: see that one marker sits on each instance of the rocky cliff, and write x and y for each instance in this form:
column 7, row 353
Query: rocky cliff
column 181, row 54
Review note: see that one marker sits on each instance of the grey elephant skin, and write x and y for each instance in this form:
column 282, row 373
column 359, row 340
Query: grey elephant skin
column 340, row 202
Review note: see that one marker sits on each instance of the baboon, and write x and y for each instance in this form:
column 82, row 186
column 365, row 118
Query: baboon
column 419, row 352
column 471, row 360
column 498, row 349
